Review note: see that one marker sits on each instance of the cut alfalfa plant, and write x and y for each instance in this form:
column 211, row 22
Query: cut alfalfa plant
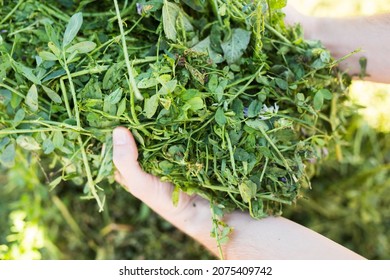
column 224, row 100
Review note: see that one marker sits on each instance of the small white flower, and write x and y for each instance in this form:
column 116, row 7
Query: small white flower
column 268, row 112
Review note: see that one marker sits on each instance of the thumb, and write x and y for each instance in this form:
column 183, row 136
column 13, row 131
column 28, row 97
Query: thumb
column 191, row 215
column 139, row 183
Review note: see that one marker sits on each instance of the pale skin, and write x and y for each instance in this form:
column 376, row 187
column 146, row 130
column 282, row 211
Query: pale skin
column 272, row 237
column 370, row 34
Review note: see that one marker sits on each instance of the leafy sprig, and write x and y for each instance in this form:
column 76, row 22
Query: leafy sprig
column 224, row 99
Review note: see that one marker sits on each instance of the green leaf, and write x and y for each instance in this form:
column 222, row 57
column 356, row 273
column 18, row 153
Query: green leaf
column 238, row 108
column 196, row 103
column 254, row 108
column 234, row 48
column 247, row 190
column 114, row 97
column 166, row 166
column 48, row 56
column 121, row 107
column 151, row 105
column 170, row 12
column 300, row 97
column 265, row 151
column 318, row 100
column 326, row 94
column 220, row 90
column 47, row 146
column 205, row 47
column 58, row 139
column 7, row 157
column 220, row 117
column 55, row 182
column 55, row 50
column 168, row 87
column 52, row 95
column 82, row 47
column 27, row 143
column 257, row 124
column 51, row 34
column 147, row 83
column 277, row 4
column 72, row 29
column 282, row 84
column 241, row 155
column 197, row 5
column 31, row 99
column 176, row 195
column 19, row 117
column 213, row 83
column 26, row 72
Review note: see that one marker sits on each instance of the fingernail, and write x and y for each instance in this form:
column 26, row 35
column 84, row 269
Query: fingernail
column 120, row 137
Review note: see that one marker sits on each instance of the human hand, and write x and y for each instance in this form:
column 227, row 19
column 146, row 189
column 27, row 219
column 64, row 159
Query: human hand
column 269, row 238
column 293, row 16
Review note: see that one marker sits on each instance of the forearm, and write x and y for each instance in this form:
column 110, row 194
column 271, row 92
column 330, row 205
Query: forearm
column 275, row 238
column 269, row 238
column 342, row 36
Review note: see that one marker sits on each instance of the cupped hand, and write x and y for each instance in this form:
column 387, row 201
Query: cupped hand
column 269, row 238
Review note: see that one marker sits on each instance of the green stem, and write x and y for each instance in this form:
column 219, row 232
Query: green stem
column 73, row 92
column 231, row 154
column 263, row 172
column 11, row 12
column 276, row 149
column 273, row 198
column 280, row 36
column 214, row 4
column 67, row 215
column 242, row 89
column 23, row 131
column 134, row 91
column 90, row 181
column 65, row 97
column 116, row 38
column 96, row 69
column 55, row 12
column 12, row 90
column 216, row 232
column 220, row 188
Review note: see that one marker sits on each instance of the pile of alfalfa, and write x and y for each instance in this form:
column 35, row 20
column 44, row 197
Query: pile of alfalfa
column 224, row 99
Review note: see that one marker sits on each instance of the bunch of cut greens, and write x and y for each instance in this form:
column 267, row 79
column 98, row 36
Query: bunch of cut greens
column 224, row 100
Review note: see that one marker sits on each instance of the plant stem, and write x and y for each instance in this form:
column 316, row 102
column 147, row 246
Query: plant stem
column 280, row 36
column 65, row 97
column 90, row 181
column 216, row 232
column 134, row 91
column 23, row 131
column 11, row 12
column 12, row 90
column 276, row 150
column 242, row 89
column 231, row 153
column 214, row 4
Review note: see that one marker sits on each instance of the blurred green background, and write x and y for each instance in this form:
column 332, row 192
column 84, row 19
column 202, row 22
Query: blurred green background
column 349, row 202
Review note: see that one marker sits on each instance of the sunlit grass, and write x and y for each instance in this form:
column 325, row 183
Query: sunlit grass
column 376, row 101
column 25, row 240
column 374, row 97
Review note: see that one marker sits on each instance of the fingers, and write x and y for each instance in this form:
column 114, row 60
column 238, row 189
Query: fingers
column 191, row 215
column 292, row 15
